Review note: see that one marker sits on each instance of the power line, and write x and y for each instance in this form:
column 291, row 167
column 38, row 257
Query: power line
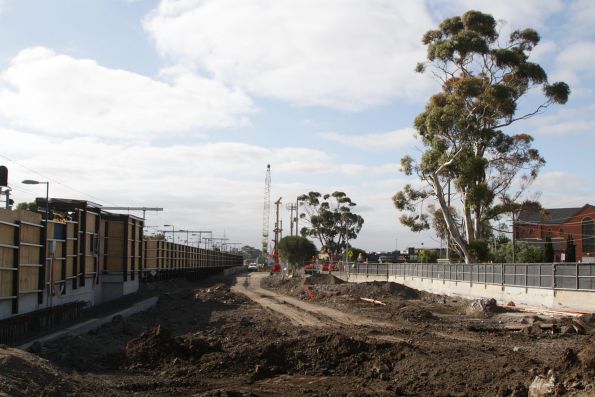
column 54, row 181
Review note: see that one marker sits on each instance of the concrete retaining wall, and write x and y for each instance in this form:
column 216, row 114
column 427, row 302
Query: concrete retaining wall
column 95, row 323
column 555, row 299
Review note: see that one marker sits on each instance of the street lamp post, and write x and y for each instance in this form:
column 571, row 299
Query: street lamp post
column 187, row 235
column 173, row 232
column 47, row 195
column 45, row 232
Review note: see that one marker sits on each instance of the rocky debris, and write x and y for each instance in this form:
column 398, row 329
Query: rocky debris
column 482, row 308
column 588, row 318
column 535, row 325
column 543, row 386
column 218, row 293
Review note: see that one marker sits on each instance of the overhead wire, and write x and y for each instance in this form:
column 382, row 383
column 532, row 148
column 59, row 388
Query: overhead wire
column 55, row 181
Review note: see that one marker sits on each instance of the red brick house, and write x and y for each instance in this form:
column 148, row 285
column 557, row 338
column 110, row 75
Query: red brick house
column 533, row 227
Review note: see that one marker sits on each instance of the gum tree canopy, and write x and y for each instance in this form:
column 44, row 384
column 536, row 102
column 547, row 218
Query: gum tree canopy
column 482, row 80
column 330, row 219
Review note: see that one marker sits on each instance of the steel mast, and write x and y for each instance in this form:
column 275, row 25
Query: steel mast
column 266, row 212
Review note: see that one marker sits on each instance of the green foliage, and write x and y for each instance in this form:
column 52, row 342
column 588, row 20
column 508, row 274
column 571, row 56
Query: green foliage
column 356, row 252
column 32, row 206
column 330, row 219
column 570, row 249
column 483, row 80
column 428, row 256
column 524, row 253
column 295, row 250
column 548, row 251
column 480, row 250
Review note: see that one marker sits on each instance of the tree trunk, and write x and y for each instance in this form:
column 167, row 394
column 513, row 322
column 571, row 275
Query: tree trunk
column 450, row 224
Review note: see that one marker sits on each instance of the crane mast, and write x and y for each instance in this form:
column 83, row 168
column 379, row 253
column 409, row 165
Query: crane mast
column 266, row 212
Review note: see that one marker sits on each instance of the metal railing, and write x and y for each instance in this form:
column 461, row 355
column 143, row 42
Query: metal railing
column 575, row 276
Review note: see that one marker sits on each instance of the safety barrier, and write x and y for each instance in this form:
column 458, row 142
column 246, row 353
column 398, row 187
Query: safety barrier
column 577, row 276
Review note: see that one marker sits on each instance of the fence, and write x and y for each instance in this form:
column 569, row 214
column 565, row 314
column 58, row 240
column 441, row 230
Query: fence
column 571, row 276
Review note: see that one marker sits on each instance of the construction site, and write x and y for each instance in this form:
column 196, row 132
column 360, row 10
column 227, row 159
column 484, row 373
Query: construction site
column 90, row 306
column 261, row 335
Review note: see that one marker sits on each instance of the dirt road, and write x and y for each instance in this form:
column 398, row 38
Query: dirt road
column 299, row 312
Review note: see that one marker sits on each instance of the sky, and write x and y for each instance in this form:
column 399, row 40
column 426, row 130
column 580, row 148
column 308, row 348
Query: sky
column 181, row 104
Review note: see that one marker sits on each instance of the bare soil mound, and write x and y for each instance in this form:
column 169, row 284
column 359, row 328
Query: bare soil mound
column 323, row 279
column 327, row 354
column 414, row 313
column 587, row 356
column 157, row 345
column 218, row 293
column 25, row 374
column 382, row 289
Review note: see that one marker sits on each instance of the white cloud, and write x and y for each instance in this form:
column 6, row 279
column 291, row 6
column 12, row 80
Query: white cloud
column 342, row 54
column 61, row 95
column 516, row 14
column 199, row 185
column 581, row 17
column 374, row 141
column 202, row 186
column 555, row 186
column 577, row 120
column 574, row 64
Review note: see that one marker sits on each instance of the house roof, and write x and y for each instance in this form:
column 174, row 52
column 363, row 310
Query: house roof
column 550, row 216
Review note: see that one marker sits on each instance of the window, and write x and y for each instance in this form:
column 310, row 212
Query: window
column 588, row 235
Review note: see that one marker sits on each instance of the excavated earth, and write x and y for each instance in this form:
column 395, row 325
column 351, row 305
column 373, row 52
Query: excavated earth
column 265, row 336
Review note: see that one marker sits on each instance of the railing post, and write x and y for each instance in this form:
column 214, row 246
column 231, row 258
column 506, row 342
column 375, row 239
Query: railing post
column 553, row 275
column 539, row 275
column 577, row 280
column 502, row 275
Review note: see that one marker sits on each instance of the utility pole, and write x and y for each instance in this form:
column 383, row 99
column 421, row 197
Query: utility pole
column 292, row 207
column 297, row 216
column 277, row 265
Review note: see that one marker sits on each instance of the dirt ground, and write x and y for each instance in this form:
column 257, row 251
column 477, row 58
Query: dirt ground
column 264, row 336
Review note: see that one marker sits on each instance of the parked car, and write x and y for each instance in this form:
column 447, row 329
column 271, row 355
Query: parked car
column 252, row 267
